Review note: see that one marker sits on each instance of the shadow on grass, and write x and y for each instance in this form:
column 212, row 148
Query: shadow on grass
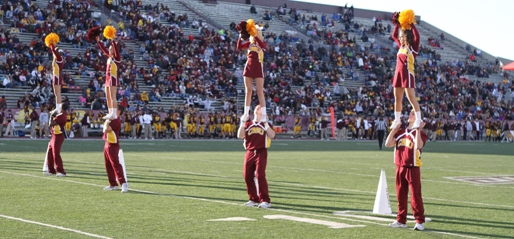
column 483, row 235
column 78, row 145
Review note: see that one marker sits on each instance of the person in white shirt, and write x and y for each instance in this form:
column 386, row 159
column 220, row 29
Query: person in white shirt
column 469, row 129
column 7, row 82
column 146, row 119
column 336, row 89
column 366, row 125
column 43, row 124
column 207, row 104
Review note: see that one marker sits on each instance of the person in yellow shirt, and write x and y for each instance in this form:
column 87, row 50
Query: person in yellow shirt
column 297, row 130
column 156, row 121
column 164, row 128
column 127, row 127
column 201, row 126
column 144, row 97
column 227, row 125
column 69, row 122
column 191, row 125
column 212, row 124
column 312, row 126
column 173, row 124
column 121, row 25
column 233, row 127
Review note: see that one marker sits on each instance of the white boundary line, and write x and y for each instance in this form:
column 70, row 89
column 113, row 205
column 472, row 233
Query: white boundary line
column 272, row 209
column 56, row 227
column 280, row 183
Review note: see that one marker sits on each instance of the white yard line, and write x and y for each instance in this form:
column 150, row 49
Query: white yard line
column 360, row 220
column 55, row 227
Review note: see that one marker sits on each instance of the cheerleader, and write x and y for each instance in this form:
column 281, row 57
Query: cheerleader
column 404, row 77
column 254, row 64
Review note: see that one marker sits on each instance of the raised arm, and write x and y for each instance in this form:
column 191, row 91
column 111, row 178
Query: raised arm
column 391, row 138
column 56, row 53
column 416, row 37
column 395, row 35
column 102, row 47
column 241, row 45
column 269, row 130
column 420, row 137
column 116, row 52
column 262, row 44
column 241, row 132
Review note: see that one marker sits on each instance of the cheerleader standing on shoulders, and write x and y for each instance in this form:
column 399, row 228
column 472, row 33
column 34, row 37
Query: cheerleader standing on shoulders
column 254, row 65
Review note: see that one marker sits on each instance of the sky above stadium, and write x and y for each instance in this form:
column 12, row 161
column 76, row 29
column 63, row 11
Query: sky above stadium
column 483, row 24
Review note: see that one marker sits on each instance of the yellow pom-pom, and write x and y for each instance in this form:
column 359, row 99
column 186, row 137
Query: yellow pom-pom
column 52, row 39
column 109, row 32
column 406, row 18
column 251, row 28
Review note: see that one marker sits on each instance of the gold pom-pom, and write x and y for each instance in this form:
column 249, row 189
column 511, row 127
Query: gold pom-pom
column 251, row 28
column 406, row 18
column 52, row 39
column 109, row 32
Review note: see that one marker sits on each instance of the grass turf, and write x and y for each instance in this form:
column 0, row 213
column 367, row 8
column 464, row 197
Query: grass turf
column 177, row 187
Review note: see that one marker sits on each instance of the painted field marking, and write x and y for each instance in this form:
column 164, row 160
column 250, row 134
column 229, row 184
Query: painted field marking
column 334, row 225
column 278, row 183
column 377, row 217
column 231, row 219
column 485, row 180
column 276, row 209
column 56, row 227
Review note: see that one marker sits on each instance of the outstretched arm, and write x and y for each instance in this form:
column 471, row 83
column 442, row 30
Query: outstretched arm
column 56, row 53
column 116, row 53
column 102, row 47
column 241, row 132
column 269, row 130
column 395, row 35
column 391, row 140
column 241, row 45
column 416, row 37
column 262, row 44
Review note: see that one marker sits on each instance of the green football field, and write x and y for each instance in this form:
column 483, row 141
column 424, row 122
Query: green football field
column 195, row 189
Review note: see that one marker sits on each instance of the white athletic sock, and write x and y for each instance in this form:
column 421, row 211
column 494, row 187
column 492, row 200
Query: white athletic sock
column 247, row 110
column 263, row 111
column 114, row 113
column 58, row 107
column 397, row 115
column 418, row 115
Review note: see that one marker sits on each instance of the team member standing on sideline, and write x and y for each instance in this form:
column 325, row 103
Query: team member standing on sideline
column 111, row 76
column 404, row 79
column 408, row 143
column 43, row 123
column 34, row 117
column 257, row 135
column 53, row 153
column 254, row 64
column 114, row 169
column 380, row 126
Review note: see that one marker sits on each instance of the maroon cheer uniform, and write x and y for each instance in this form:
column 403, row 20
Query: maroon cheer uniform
column 253, row 66
column 54, row 160
column 256, row 142
column 57, row 66
column 407, row 159
column 404, row 75
column 111, row 74
column 112, row 147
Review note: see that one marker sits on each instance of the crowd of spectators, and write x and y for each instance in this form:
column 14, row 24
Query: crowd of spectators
column 300, row 78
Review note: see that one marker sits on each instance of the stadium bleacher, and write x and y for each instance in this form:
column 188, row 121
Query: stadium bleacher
column 221, row 14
